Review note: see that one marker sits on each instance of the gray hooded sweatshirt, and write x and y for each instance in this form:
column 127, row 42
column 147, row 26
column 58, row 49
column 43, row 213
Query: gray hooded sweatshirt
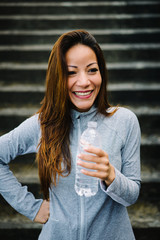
column 103, row 216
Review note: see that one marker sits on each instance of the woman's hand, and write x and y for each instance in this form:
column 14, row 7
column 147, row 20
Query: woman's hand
column 98, row 162
column 43, row 213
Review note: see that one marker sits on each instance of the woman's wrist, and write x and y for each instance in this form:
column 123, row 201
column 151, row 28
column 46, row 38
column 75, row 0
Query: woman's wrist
column 111, row 176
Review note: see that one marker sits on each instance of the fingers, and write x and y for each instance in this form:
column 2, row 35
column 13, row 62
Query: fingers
column 96, row 165
column 93, row 150
column 88, row 160
column 108, row 176
column 95, row 155
column 94, row 158
column 95, row 170
column 101, row 166
column 96, row 174
column 46, row 210
column 43, row 213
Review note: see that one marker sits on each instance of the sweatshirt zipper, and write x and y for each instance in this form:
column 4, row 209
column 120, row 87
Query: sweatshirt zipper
column 83, row 225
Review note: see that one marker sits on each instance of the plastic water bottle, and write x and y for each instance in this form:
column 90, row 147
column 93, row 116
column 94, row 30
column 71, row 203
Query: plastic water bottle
column 87, row 185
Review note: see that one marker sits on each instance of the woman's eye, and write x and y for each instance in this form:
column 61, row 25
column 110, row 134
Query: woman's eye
column 93, row 70
column 71, row 72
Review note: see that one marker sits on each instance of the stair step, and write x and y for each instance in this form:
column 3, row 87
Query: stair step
column 135, row 86
column 150, row 164
column 102, row 36
column 27, row 173
column 150, row 151
column 62, row 1
column 21, row 113
column 150, row 176
column 43, row 66
column 149, row 122
column 33, row 94
column 32, row 234
column 12, row 117
column 118, row 72
column 150, row 186
column 134, row 96
column 78, row 21
column 17, row 233
column 25, row 166
column 112, row 52
column 144, row 214
column 79, row 7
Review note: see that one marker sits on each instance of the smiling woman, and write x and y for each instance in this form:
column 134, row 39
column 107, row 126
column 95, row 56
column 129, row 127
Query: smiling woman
column 70, row 64
column 76, row 93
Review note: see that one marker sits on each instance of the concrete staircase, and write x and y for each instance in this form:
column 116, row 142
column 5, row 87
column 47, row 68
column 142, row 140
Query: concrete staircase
column 129, row 34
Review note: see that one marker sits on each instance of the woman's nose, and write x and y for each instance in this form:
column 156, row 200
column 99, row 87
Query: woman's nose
column 83, row 80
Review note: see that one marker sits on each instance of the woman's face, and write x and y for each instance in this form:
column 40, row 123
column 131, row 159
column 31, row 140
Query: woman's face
column 84, row 78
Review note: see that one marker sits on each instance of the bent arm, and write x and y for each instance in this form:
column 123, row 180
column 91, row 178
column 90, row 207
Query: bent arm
column 21, row 140
column 126, row 185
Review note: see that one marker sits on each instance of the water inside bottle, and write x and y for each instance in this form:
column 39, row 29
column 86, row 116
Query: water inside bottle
column 83, row 182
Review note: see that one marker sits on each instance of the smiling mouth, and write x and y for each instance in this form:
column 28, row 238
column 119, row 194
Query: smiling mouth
column 86, row 93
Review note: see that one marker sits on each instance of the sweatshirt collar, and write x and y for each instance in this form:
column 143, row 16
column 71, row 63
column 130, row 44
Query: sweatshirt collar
column 75, row 114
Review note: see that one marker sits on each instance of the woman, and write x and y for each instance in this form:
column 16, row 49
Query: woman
column 75, row 94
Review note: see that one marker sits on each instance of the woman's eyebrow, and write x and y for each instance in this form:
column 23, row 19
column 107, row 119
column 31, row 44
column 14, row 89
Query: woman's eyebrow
column 72, row 66
column 92, row 64
column 87, row 65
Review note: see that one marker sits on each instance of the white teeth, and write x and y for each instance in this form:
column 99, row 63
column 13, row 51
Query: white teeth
column 82, row 93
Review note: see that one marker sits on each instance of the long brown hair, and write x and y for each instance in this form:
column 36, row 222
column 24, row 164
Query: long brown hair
column 54, row 157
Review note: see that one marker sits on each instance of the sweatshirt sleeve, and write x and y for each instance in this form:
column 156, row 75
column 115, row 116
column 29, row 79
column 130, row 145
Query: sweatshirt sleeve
column 21, row 140
column 126, row 185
